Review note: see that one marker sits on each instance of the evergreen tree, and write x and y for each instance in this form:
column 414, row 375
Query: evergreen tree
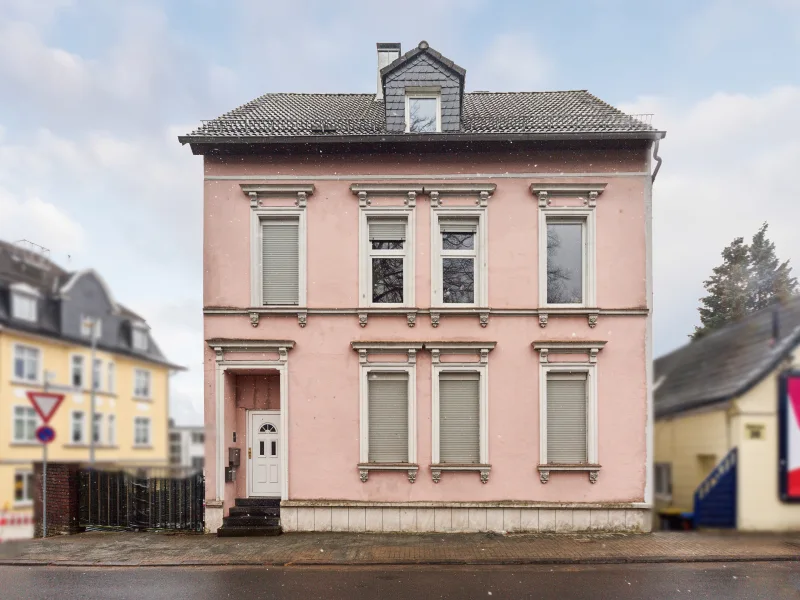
column 770, row 280
column 728, row 290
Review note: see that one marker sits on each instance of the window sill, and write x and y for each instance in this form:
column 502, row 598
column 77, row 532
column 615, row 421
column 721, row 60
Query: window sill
column 23, row 504
column 483, row 469
column 28, row 382
column 410, row 468
column 25, row 444
column 142, row 399
column 545, row 470
column 142, row 447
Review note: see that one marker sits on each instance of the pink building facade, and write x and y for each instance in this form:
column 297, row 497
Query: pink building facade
column 428, row 310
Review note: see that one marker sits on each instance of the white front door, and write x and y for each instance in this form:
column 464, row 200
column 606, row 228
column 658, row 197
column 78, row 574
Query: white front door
column 264, row 453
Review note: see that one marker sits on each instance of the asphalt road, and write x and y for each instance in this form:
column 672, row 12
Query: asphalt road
column 731, row 581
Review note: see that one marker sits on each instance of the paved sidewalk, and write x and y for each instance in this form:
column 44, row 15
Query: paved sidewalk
column 153, row 549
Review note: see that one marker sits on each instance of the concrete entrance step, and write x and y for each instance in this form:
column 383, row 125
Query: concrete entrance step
column 248, row 531
column 255, row 511
column 246, row 521
column 273, row 502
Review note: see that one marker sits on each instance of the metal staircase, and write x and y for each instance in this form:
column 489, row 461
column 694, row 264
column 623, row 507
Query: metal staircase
column 715, row 498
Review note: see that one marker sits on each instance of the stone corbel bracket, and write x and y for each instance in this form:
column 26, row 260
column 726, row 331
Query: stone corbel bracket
column 258, row 191
column 483, row 470
column 407, row 191
column 588, row 192
column 589, row 348
column 592, row 470
column 482, row 192
column 410, row 469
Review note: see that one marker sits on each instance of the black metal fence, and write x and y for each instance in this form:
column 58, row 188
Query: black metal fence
column 137, row 499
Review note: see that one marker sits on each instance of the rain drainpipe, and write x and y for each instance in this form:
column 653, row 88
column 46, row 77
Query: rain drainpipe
column 657, row 159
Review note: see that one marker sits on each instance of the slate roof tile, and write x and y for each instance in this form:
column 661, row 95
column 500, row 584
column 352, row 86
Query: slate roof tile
column 298, row 115
column 726, row 363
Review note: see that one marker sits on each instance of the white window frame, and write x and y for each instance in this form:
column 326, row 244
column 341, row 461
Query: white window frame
column 149, row 375
column 665, row 495
column 72, row 361
column 98, row 381
column 24, row 306
column 149, row 429
column 277, row 213
column 98, row 417
column 365, row 350
column 139, row 334
column 39, row 364
column 111, row 380
column 481, row 255
column 14, row 417
column 366, row 254
column 586, row 217
column 590, row 370
column 27, row 486
column 111, row 430
column 423, row 94
column 483, row 388
column 72, row 421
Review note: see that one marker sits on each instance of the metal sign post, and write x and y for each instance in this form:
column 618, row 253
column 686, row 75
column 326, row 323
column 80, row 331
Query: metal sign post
column 46, row 404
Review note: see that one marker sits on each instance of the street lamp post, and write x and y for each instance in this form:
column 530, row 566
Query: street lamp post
column 93, row 322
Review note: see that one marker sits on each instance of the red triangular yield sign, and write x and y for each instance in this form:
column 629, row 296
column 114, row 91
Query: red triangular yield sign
column 45, row 403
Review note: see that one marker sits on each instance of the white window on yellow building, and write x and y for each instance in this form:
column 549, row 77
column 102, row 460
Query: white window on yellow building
column 141, row 385
column 112, row 430
column 141, row 431
column 76, row 369
column 97, row 374
column 112, row 378
column 25, row 423
column 23, row 488
column 97, row 429
column 27, row 363
column 77, row 429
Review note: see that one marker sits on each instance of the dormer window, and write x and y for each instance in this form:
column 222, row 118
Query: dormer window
column 24, row 302
column 423, row 112
column 139, row 337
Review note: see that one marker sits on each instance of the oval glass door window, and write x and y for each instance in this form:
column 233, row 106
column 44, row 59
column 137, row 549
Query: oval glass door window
column 268, row 428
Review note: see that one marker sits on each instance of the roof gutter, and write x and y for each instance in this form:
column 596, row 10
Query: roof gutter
column 421, row 138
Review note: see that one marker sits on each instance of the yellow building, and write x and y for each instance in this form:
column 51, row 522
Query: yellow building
column 46, row 317
column 718, row 395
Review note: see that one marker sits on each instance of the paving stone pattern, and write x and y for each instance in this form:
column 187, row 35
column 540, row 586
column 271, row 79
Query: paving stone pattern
column 142, row 549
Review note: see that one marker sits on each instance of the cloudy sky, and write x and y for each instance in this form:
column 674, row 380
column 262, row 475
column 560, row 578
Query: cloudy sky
column 94, row 92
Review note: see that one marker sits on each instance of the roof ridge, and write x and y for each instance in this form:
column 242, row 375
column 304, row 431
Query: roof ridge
column 528, row 92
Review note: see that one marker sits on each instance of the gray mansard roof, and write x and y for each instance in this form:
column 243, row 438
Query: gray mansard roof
column 63, row 298
column 287, row 117
column 726, row 363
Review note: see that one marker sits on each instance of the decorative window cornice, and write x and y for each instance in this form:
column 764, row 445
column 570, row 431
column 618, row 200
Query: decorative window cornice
column 483, row 191
column 591, row 348
column 482, row 349
column 256, row 191
column 221, row 346
column 587, row 191
column 364, row 349
column 365, row 190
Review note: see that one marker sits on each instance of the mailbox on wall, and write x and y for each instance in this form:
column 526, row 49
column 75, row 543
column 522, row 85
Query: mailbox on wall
column 234, row 457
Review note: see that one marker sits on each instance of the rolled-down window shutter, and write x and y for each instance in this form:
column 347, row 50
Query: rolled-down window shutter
column 387, row 229
column 566, row 418
column 458, row 226
column 280, row 261
column 388, row 417
column 459, row 418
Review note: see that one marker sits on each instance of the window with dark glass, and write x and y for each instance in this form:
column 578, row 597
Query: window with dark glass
column 565, row 261
column 387, row 248
column 459, row 254
column 423, row 114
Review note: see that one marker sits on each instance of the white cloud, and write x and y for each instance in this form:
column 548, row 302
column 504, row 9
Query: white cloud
column 34, row 219
column 729, row 165
column 512, row 62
